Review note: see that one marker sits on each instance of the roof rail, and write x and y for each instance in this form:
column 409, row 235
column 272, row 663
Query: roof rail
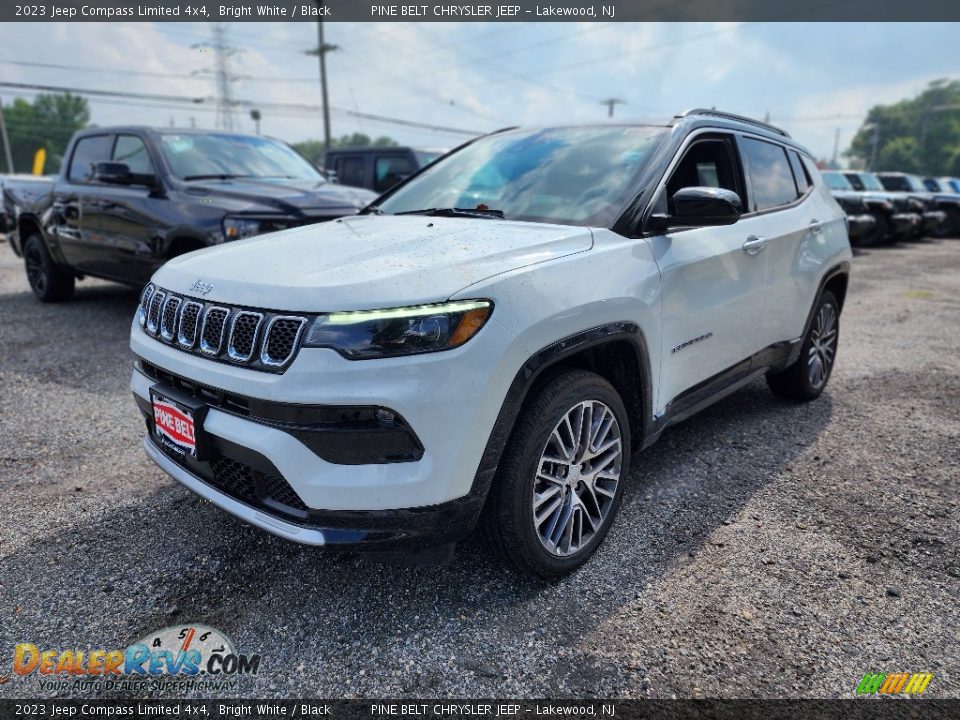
column 731, row 116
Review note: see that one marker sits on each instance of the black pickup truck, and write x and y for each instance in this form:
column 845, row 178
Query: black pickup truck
column 130, row 198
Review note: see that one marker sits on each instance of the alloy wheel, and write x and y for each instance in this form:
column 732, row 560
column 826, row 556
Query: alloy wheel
column 577, row 478
column 36, row 272
column 823, row 346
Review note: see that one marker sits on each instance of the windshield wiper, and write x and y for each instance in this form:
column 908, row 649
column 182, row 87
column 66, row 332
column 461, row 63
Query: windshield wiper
column 217, row 176
column 484, row 212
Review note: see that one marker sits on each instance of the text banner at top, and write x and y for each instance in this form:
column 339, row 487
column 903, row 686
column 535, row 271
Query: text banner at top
column 517, row 11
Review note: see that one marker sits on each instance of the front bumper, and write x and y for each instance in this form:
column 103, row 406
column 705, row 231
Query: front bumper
column 375, row 531
column 933, row 219
column 906, row 223
column 860, row 225
column 450, row 400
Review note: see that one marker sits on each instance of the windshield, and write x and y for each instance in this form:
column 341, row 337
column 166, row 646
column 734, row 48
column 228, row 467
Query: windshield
column 196, row 156
column 836, row 181
column 870, row 182
column 570, row 176
column 916, row 184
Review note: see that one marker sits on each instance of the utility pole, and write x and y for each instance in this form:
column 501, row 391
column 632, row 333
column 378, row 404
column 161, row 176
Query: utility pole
column 322, row 49
column 874, row 143
column 610, row 103
column 6, row 140
column 836, row 147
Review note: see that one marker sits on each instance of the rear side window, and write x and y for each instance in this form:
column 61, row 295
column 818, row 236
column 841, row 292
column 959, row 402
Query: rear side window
column 89, row 151
column 390, row 170
column 131, row 150
column 770, row 174
column 350, row 170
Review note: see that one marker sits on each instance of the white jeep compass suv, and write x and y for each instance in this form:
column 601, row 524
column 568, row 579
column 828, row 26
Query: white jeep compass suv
column 492, row 339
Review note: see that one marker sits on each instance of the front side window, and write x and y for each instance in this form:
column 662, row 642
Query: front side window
column 89, row 152
column 570, row 176
column 706, row 163
column 130, row 150
column 199, row 156
column 770, row 174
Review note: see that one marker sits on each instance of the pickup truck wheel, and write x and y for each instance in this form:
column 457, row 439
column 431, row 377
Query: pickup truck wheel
column 49, row 282
column 806, row 378
column 562, row 475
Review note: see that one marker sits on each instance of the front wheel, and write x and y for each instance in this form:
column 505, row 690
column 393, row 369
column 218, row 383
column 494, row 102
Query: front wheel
column 808, row 376
column 562, row 476
column 49, row 282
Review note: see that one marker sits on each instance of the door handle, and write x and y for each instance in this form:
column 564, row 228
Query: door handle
column 816, row 227
column 754, row 244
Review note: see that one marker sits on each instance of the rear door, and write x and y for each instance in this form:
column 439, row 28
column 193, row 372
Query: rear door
column 76, row 198
column 712, row 279
column 791, row 221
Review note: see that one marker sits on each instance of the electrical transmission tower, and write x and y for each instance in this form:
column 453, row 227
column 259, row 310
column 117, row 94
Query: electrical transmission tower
column 222, row 74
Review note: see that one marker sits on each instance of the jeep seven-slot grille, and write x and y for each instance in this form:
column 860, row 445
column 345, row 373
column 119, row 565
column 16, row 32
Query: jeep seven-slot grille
column 260, row 340
column 189, row 324
column 243, row 335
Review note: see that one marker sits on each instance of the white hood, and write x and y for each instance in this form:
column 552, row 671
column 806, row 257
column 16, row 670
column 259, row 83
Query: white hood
column 367, row 262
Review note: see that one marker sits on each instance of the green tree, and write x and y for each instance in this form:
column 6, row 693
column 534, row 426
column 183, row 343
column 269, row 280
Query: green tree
column 313, row 149
column 921, row 134
column 47, row 122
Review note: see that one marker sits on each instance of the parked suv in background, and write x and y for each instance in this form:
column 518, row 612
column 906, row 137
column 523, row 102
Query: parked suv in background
column 941, row 213
column 898, row 216
column 495, row 337
column 863, row 226
column 130, row 198
column 377, row 168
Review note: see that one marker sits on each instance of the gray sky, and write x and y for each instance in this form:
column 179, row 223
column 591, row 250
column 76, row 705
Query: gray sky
column 810, row 78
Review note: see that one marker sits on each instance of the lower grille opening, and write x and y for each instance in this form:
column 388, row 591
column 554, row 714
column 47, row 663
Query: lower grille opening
column 266, row 491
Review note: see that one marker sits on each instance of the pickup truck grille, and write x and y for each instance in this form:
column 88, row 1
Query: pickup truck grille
column 257, row 339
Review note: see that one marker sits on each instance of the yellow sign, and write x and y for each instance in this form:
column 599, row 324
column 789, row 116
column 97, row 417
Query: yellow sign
column 39, row 160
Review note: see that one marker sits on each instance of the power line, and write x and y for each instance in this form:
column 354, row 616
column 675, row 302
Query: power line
column 189, row 102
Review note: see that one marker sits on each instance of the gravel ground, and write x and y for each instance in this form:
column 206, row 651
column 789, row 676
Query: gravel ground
column 763, row 550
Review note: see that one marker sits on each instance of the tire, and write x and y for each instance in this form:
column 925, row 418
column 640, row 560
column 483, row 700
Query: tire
column 584, row 494
column 49, row 281
column 808, row 376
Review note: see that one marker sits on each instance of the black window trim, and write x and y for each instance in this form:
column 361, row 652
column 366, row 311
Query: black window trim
column 110, row 135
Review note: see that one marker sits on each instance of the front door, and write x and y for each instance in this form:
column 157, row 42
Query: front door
column 712, row 279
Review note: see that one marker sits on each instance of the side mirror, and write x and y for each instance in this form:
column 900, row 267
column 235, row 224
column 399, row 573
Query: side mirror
column 114, row 173
column 701, row 206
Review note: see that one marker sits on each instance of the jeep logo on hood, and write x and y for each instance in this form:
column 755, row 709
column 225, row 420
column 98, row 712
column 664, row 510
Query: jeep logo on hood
column 201, row 287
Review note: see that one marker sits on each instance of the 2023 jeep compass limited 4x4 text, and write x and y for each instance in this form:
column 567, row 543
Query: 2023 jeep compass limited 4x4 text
column 492, row 339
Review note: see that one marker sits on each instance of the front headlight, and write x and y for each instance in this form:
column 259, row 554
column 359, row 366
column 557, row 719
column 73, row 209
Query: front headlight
column 368, row 334
column 236, row 228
